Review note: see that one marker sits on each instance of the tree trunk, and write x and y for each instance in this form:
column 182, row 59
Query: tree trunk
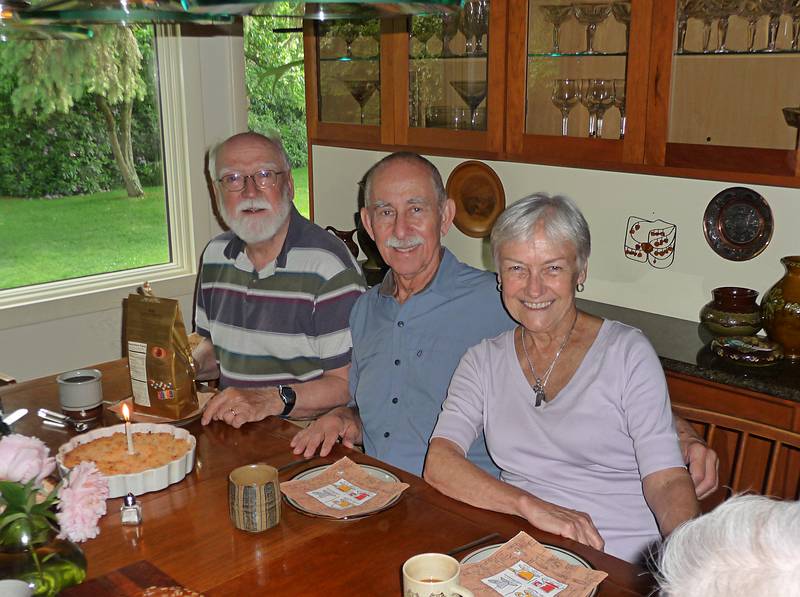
column 123, row 153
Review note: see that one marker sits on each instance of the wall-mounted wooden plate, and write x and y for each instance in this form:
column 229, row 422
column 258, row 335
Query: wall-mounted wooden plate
column 479, row 197
column 738, row 224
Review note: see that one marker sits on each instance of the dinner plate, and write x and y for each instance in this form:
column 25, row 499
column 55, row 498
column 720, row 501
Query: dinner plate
column 570, row 558
column 373, row 471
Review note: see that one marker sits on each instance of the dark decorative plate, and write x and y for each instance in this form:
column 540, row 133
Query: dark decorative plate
column 479, row 197
column 747, row 350
column 738, row 224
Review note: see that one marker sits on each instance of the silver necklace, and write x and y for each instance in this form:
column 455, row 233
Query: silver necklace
column 541, row 382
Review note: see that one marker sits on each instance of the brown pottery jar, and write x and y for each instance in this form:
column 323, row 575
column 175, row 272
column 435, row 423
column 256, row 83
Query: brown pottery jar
column 780, row 309
column 733, row 312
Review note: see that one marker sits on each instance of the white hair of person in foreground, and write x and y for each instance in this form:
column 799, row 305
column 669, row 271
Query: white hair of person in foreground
column 748, row 545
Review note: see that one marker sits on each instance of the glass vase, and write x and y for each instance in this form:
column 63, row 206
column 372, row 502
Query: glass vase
column 780, row 309
column 48, row 568
column 733, row 312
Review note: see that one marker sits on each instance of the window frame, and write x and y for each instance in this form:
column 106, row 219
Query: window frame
column 190, row 225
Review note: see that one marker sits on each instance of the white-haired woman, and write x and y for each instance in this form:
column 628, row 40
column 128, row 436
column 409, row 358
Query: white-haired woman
column 575, row 408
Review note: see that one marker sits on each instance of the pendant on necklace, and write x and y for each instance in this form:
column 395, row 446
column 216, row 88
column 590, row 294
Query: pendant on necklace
column 538, row 392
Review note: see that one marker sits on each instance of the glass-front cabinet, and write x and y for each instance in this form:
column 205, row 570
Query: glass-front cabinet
column 698, row 88
column 735, row 89
column 571, row 69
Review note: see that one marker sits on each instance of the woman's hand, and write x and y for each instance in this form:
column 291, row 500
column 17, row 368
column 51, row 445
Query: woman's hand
column 571, row 524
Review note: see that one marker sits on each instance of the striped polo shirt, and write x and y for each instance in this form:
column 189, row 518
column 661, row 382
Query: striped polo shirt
column 288, row 322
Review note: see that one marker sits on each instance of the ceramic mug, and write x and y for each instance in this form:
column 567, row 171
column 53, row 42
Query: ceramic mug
column 80, row 393
column 431, row 575
column 254, row 497
column 15, row 588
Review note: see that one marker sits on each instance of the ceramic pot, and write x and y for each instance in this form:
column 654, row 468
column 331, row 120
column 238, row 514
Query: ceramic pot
column 346, row 237
column 48, row 568
column 780, row 309
column 733, row 312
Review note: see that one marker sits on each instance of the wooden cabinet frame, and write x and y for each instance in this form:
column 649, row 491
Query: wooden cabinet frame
column 645, row 148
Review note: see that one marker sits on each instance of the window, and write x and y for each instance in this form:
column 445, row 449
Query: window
column 92, row 232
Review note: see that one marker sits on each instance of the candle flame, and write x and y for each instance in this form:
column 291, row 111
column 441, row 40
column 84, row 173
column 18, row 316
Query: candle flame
column 126, row 412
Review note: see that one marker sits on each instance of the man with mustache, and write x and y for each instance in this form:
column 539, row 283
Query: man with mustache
column 274, row 294
column 410, row 332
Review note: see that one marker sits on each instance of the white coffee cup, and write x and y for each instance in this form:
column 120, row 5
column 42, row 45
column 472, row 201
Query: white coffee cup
column 432, row 574
column 15, row 588
column 80, row 393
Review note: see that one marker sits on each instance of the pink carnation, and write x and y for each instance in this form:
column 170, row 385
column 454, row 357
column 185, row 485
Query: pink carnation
column 82, row 501
column 24, row 458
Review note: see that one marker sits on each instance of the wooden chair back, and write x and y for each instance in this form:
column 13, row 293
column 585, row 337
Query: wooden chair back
column 754, row 457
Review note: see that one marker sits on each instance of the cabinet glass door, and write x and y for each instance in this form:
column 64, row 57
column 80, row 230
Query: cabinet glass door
column 349, row 71
column 576, row 68
column 448, row 69
column 735, row 77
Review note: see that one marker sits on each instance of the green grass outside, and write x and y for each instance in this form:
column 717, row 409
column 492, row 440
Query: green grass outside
column 44, row 240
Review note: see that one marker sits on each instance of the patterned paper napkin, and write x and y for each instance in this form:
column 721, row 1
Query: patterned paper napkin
column 343, row 490
column 523, row 567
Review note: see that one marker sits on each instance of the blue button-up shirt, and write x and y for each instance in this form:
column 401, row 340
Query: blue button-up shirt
column 405, row 354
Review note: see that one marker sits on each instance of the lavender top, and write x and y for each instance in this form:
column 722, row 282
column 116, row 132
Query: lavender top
column 588, row 449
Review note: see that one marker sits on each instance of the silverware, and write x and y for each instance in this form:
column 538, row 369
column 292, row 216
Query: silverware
column 15, row 416
column 289, row 465
column 54, row 419
column 471, row 544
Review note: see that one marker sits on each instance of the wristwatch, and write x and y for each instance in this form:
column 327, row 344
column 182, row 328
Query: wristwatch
column 289, row 397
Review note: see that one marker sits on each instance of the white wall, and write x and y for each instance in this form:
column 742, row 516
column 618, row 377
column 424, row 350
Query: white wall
column 607, row 200
column 51, row 336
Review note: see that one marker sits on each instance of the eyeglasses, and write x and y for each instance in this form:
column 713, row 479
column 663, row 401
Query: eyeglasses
column 236, row 181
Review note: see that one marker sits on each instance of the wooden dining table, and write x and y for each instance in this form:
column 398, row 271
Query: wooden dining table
column 187, row 538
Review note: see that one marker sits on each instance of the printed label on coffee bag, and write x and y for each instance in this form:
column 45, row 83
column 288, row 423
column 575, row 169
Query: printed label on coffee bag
column 137, row 361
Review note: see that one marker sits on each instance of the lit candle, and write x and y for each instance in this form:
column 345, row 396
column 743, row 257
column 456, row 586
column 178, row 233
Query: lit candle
column 128, row 435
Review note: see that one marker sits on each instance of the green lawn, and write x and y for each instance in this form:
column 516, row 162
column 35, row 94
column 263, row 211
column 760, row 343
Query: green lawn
column 44, row 240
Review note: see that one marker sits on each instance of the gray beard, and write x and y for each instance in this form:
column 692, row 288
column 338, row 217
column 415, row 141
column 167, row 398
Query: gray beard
column 264, row 229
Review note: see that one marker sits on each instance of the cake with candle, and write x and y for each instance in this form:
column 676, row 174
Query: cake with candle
column 111, row 455
column 158, row 455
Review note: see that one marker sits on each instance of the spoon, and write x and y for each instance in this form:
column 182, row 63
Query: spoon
column 54, row 419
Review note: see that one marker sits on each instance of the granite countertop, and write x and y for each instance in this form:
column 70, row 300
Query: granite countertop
column 683, row 348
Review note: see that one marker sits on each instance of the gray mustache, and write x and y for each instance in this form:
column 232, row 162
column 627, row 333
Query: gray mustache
column 395, row 243
column 254, row 204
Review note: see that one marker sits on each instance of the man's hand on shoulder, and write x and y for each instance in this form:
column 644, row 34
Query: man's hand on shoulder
column 326, row 431
column 237, row 406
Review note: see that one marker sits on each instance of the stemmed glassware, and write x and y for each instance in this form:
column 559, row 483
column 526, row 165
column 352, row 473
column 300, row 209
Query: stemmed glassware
column 774, row 8
column 474, row 24
column 619, row 103
column 349, row 32
column 792, row 8
column 622, row 13
column 586, row 101
column 556, row 14
column 473, row 93
column 449, row 30
column 361, row 90
column 686, row 9
column 704, row 11
column 751, row 12
column 723, row 10
column 566, row 93
column 601, row 98
column 422, row 29
column 591, row 15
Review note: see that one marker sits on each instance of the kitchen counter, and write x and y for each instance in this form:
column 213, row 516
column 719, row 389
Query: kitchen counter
column 683, row 348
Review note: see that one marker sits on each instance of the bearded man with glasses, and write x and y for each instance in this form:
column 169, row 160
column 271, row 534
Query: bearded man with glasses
column 274, row 294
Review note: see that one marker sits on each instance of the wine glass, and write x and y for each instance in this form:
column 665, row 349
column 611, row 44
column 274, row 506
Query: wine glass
column 591, row 15
column 723, row 10
column 586, row 101
column 601, row 98
column 686, row 9
column 704, row 11
column 556, row 14
column 422, row 29
column 622, row 13
column 474, row 24
column 619, row 103
column 792, row 8
column 449, row 30
column 565, row 97
column 473, row 93
column 361, row 90
column 774, row 8
column 348, row 32
column 482, row 27
column 751, row 11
